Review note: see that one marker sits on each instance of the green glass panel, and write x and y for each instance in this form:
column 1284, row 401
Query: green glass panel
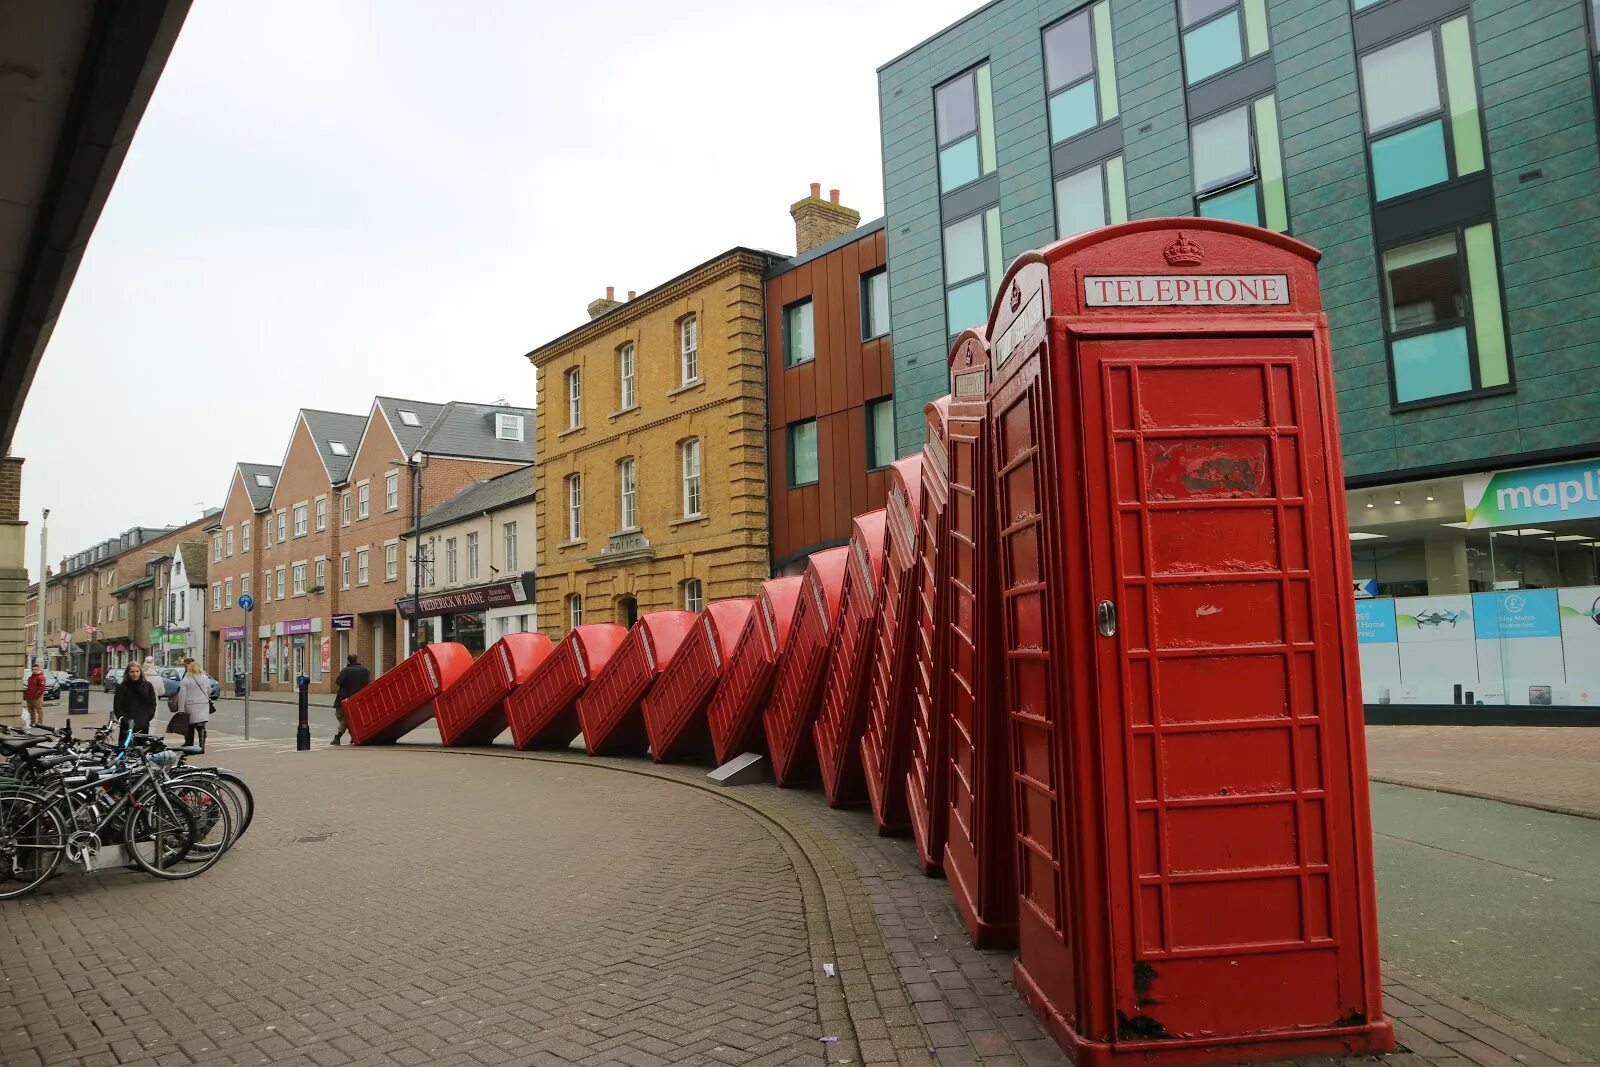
column 1072, row 111
column 991, row 233
column 1487, row 319
column 985, row 120
column 967, row 305
column 1212, row 48
column 1105, row 61
column 1255, row 26
column 1238, row 205
column 1409, row 161
column 1270, row 161
column 1466, row 129
column 1116, row 191
column 1431, row 364
column 803, row 452
column 958, row 164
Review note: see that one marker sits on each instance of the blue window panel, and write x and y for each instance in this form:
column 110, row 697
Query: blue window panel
column 1238, row 205
column 1409, row 161
column 1073, row 111
column 967, row 305
column 958, row 164
column 1213, row 48
column 1431, row 364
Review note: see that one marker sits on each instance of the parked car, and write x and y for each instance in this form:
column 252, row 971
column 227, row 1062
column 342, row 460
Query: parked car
column 112, row 678
column 173, row 677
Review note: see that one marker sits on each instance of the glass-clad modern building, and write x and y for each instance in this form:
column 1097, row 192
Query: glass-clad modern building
column 1442, row 154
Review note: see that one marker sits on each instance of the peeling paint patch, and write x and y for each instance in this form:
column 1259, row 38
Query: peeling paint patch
column 1207, row 609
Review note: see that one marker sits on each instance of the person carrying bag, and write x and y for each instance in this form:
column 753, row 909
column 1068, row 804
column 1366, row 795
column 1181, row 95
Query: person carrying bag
column 192, row 705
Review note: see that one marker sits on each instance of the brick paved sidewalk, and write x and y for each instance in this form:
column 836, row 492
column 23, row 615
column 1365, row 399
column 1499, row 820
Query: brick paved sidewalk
column 1554, row 768
column 417, row 906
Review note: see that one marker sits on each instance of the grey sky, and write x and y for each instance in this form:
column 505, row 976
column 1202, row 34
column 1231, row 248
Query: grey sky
column 331, row 200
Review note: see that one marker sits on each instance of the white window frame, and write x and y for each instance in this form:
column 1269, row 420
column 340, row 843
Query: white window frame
column 283, row 526
column 697, row 602
column 322, row 513
column 450, row 560
column 574, row 507
column 574, row 610
column 244, row 585
column 507, row 427
column 627, row 378
column 344, row 508
column 216, row 598
column 297, row 578
column 391, row 491
column 227, row 543
column 510, row 537
column 216, row 548
column 282, row 576
column 628, row 494
column 472, row 556
column 344, row 570
column 244, row 535
column 574, row 382
column 266, row 531
column 363, row 499
column 689, row 470
column 227, row 592
column 302, row 516
column 688, row 350
column 319, row 572
column 363, row 569
column 266, row 586
column 391, row 561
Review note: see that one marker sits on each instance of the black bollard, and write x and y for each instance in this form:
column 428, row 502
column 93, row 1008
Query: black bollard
column 302, row 734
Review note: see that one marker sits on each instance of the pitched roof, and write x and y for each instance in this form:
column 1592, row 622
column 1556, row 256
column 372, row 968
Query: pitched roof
column 488, row 495
column 468, row 430
column 260, row 495
column 194, row 561
column 327, row 427
column 409, row 436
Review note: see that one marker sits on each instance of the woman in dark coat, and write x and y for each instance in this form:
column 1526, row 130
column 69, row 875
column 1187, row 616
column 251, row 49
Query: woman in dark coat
column 134, row 704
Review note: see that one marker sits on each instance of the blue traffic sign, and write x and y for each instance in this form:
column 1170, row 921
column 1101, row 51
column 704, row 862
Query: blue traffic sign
column 246, row 601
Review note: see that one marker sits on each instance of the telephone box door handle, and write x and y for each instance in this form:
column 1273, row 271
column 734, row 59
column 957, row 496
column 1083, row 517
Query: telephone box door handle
column 1106, row 618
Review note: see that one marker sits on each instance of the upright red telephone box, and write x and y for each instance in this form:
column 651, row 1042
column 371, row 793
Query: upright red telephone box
column 797, row 689
column 473, row 710
column 843, row 715
column 886, row 742
column 609, row 711
column 1179, row 642
column 674, row 710
column 735, row 712
column 543, row 711
column 980, row 847
column 925, row 786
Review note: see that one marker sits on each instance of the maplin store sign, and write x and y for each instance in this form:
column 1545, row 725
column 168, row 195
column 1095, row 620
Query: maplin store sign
column 1532, row 495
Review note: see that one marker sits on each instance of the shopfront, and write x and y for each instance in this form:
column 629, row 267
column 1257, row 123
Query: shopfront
column 476, row 616
column 233, row 653
column 1480, row 593
column 299, row 646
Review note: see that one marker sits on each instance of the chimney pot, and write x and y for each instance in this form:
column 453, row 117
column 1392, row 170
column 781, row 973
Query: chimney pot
column 632, row 294
column 611, row 292
column 816, row 190
column 833, row 196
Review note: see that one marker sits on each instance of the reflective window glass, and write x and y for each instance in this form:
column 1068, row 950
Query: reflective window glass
column 1068, row 51
column 1431, row 364
column 1221, row 150
column 967, row 305
column 1080, row 202
column 1400, row 83
column 958, row 164
column 963, row 249
column 1424, row 283
column 1073, row 111
column 1212, row 48
column 1193, row 11
column 957, row 108
column 1409, row 160
column 1238, row 205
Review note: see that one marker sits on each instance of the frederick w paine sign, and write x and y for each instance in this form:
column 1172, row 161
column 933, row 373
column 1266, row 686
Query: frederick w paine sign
column 1532, row 495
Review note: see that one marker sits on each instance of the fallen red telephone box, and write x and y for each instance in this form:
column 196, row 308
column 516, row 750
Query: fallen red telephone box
column 843, row 712
column 926, row 771
column 735, row 712
column 609, row 709
column 886, row 742
column 797, row 689
column 544, row 710
column 473, row 710
column 980, row 847
column 674, row 711
column 401, row 698
column 1179, row 647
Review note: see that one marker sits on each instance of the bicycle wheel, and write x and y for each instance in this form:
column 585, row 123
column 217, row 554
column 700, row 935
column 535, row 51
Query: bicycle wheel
column 158, row 832
column 241, row 802
column 33, row 840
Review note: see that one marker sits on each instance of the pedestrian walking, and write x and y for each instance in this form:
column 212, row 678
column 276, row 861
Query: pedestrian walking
column 134, row 703
column 33, row 696
column 194, row 700
column 351, row 681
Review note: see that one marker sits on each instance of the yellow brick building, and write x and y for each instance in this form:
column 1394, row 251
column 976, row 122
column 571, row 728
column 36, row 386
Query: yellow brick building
column 652, row 457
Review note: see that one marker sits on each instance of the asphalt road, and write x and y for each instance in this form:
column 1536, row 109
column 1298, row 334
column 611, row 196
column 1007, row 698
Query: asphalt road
column 1499, row 904
column 269, row 719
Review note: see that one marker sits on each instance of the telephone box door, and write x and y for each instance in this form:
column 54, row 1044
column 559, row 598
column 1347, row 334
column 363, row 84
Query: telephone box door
column 1219, row 682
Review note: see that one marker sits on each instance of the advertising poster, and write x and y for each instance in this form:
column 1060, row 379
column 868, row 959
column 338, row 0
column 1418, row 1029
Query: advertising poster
column 1380, row 654
column 1437, row 649
column 1580, row 641
column 327, row 653
column 1520, row 656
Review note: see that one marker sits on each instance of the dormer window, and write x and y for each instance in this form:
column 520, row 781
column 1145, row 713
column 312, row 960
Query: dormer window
column 508, row 427
column 409, row 418
column 338, row 448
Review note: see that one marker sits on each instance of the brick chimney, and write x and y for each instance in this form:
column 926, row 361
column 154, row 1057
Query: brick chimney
column 605, row 303
column 818, row 221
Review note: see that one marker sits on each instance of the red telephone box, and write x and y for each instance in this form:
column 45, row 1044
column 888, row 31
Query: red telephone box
column 797, row 689
column 735, row 712
column 980, row 847
column 401, row 699
column 886, row 742
column 543, row 711
column 1193, row 837
column 674, row 711
column 609, row 709
column 925, row 785
column 473, row 710
column 843, row 715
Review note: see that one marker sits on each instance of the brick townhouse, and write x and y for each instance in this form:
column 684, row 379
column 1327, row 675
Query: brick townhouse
column 323, row 558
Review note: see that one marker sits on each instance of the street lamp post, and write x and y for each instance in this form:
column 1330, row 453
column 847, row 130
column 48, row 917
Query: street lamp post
column 415, row 464
column 44, row 580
